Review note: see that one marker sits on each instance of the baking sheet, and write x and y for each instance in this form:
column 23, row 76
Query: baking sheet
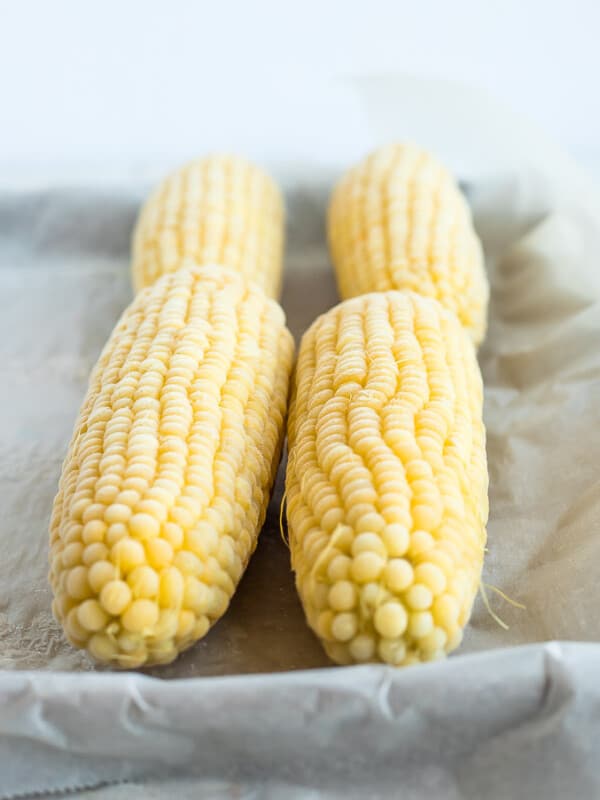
column 522, row 716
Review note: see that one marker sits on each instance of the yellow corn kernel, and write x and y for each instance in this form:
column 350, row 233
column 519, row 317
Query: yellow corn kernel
column 141, row 616
column 100, row 573
column 217, row 210
column 115, row 596
column 399, row 590
column 185, row 623
column 92, row 616
column 143, row 581
column 189, row 396
column 362, row 648
column 398, row 221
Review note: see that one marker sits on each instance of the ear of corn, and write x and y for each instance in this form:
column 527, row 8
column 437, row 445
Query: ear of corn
column 217, row 210
column 386, row 479
column 398, row 221
column 167, row 478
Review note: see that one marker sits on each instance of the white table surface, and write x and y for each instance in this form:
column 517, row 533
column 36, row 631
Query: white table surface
column 132, row 82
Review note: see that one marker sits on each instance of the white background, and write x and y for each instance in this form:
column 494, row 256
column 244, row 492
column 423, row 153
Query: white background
column 135, row 81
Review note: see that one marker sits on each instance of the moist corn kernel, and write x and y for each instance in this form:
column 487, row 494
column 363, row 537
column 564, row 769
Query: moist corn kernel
column 100, row 573
column 144, row 526
column 342, row 596
column 92, row 616
column 396, row 540
column 391, row 620
column 77, row 584
column 143, row 582
column 420, row 624
column 94, row 552
column 419, row 597
column 159, row 553
column 93, row 531
column 366, row 566
column 392, row 651
column 115, row 596
column 140, row 616
column 398, row 574
column 344, row 626
column 362, row 647
column 127, row 554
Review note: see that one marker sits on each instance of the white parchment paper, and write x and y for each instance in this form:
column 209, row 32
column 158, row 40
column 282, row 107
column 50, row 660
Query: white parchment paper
column 516, row 713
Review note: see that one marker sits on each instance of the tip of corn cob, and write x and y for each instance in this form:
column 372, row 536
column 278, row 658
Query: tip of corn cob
column 215, row 210
column 398, row 220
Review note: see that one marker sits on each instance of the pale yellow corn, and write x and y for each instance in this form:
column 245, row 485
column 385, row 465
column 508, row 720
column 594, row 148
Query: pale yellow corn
column 217, row 210
column 167, row 478
column 399, row 221
column 387, row 479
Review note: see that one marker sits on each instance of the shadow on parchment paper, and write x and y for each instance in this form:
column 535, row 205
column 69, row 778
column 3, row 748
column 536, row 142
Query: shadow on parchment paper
column 309, row 286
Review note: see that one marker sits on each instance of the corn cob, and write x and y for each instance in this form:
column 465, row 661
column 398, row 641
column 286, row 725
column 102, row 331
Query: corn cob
column 218, row 210
column 398, row 221
column 386, row 479
column 167, row 478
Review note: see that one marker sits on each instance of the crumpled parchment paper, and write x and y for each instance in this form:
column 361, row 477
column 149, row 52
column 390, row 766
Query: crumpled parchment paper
column 515, row 713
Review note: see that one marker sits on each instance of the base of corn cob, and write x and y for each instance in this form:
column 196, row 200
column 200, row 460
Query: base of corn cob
column 386, row 479
column 166, row 482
